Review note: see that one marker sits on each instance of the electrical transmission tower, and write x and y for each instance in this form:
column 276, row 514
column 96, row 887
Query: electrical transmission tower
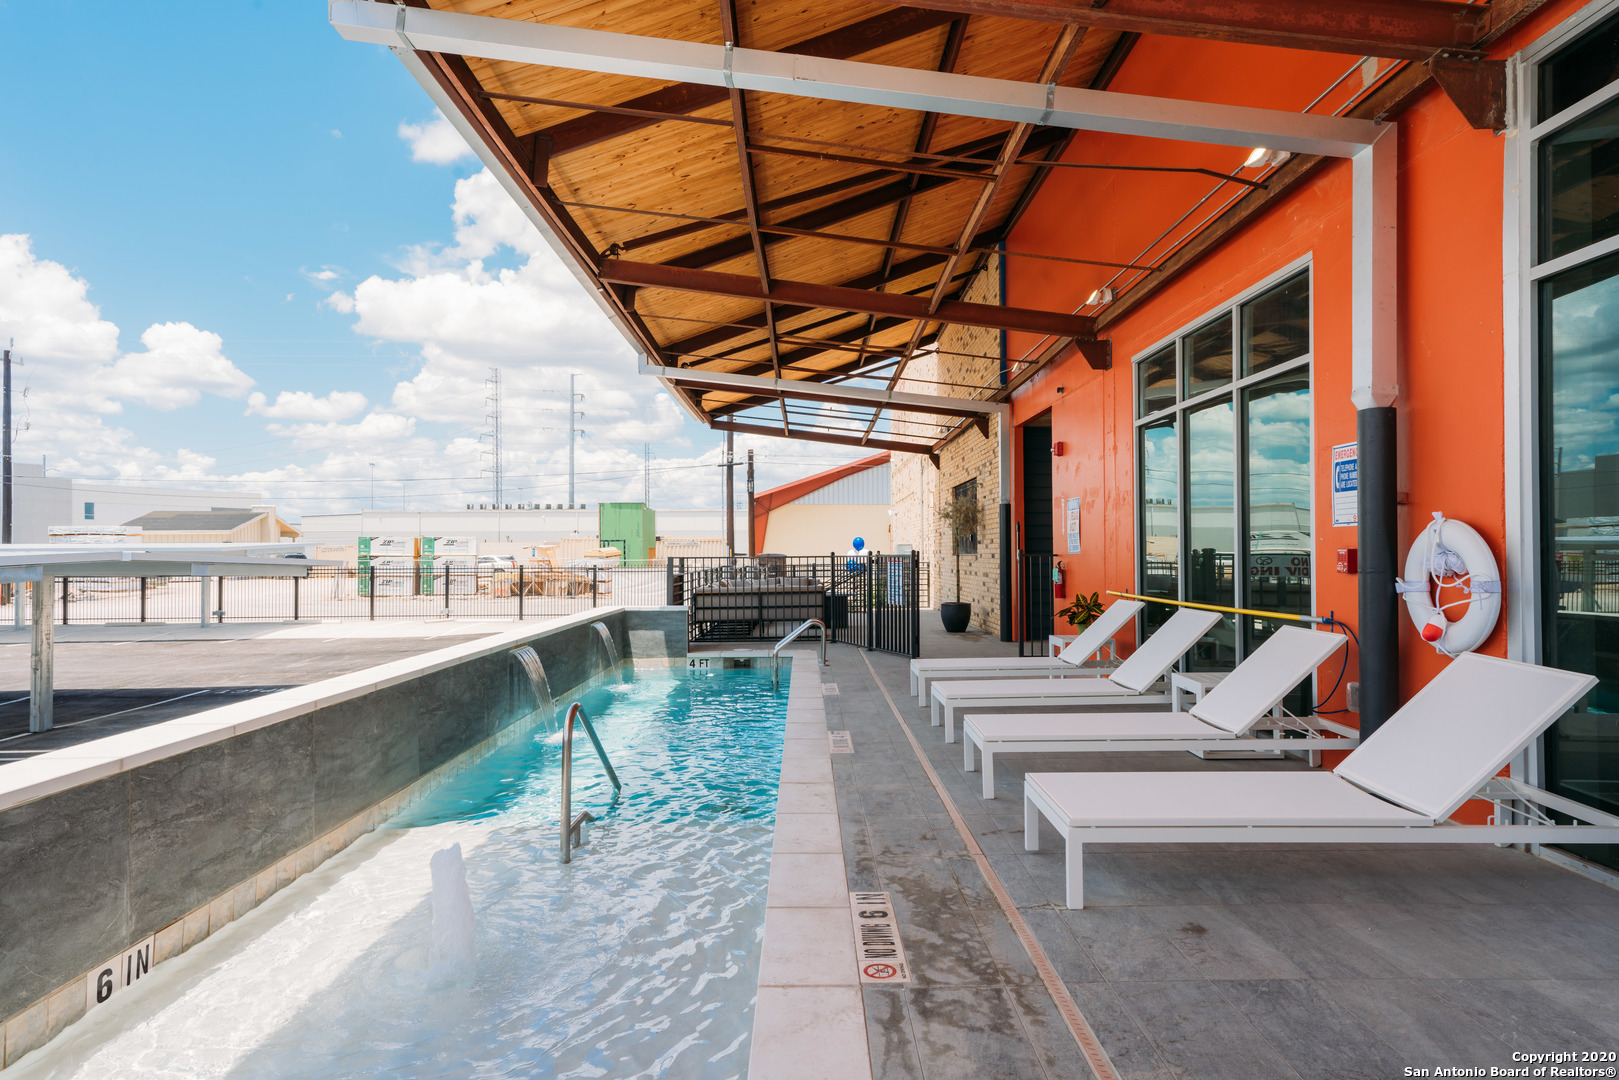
column 492, row 400
column 574, row 397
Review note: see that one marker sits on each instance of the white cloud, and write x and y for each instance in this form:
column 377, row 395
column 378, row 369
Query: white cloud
column 180, row 363
column 324, row 276
column 434, row 141
column 48, row 310
column 302, row 405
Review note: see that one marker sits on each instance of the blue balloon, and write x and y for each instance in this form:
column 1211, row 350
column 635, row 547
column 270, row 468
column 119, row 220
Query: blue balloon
column 859, row 542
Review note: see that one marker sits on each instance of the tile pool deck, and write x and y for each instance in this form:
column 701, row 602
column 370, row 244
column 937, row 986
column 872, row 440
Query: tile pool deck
column 1275, row 961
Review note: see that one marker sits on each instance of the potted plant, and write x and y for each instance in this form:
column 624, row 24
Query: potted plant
column 962, row 517
column 1083, row 611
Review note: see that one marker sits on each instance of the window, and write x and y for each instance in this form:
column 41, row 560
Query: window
column 1573, row 301
column 89, row 511
column 1224, row 455
column 966, row 543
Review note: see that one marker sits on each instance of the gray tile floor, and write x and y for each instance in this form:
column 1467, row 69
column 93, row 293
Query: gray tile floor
column 1281, row 961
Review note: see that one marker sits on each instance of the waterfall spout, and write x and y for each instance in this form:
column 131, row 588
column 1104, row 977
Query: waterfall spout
column 615, row 665
column 530, row 660
column 451, row 950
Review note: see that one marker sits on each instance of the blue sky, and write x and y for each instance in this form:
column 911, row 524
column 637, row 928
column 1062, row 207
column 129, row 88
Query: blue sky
column 238, row 251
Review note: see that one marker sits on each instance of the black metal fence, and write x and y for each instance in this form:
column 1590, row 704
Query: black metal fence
column 1036, row 605
column 871, row 600
column 338, row 593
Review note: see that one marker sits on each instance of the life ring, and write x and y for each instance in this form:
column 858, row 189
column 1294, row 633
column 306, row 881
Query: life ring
column 1451, row 554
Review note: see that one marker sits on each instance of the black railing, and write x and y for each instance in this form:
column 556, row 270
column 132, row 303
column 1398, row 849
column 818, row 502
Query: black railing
column 342, row 593
column 870, row 600
column 1036, row 607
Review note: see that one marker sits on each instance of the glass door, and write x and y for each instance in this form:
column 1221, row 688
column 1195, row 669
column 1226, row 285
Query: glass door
column 1575, row 269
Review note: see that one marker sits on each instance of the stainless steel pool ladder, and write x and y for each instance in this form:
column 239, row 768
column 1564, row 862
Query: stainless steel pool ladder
column 775, row 674
column 573, row 828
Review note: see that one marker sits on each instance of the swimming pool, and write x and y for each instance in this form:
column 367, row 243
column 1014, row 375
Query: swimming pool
column 638, row 959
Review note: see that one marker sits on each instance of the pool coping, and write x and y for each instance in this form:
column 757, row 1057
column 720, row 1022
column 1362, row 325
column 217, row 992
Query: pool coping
column 70, row 766
column 809, row 1021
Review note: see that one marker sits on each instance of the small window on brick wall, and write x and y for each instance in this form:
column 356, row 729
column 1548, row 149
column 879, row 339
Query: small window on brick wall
column 967, row 544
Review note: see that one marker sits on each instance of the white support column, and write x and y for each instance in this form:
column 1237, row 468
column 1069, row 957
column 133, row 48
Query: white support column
column 41, row 661
column 1375, row 291
column 202, row 603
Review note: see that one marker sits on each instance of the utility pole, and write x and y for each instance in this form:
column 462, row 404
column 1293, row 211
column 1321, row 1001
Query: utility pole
column 573, row 398
column 646, row 473
column 5, row 501
column 730, row 494
column 753, row 544
column 492, row 384
column 373, row 466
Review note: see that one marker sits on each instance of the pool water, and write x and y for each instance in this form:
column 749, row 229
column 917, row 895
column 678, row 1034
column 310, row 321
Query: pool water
column 638, row 959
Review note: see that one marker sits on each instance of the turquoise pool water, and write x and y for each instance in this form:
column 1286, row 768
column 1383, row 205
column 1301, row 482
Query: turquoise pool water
column 638, row 959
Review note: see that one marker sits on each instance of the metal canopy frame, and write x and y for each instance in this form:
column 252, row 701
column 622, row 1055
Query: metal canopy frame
column 433, row 45
column 40, row 566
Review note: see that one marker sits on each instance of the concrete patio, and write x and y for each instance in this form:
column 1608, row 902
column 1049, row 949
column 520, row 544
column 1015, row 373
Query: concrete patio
column 1274, row 961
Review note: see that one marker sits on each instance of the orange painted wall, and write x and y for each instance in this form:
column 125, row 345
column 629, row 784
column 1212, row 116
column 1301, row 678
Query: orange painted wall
column 1451, row 398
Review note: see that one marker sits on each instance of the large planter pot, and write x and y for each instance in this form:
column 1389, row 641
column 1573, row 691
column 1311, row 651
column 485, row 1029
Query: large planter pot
column 955, row 616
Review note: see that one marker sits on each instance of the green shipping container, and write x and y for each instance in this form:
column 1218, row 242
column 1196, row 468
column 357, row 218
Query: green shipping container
column 629, row 526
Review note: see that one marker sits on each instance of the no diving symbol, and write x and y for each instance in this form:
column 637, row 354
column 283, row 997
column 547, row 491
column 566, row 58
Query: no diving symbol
column 881, row 971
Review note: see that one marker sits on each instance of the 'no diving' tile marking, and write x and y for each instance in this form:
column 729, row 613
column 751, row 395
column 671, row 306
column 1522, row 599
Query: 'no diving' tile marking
column 829, row 689
column 840, row 741
column 878, row 950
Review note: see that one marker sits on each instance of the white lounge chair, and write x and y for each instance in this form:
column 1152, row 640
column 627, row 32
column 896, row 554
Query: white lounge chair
column 1400, row 787
column 1223, row 721
column 1107, row 626
column 1131, row 683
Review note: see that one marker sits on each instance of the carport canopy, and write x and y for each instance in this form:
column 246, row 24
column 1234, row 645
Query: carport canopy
column 40, row 565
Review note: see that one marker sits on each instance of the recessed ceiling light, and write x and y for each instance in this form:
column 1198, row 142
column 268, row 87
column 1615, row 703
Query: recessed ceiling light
column 1260, row 157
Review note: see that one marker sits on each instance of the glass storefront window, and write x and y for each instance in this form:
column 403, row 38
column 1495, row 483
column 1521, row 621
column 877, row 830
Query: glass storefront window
column 1279, row 540
column 1276, row 327
column 1224, row 494
column 1160, row 519
column 1208, row 357
column 1580, row 70
column 1579, row 183
column 1211, row 484
column 1580, row 454
column 1157, row 374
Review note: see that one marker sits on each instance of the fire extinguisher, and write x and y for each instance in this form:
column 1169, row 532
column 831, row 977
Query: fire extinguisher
column 1058, row 590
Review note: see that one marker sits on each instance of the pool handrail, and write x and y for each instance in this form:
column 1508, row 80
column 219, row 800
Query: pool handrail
column 775, row 677
column 573, row 827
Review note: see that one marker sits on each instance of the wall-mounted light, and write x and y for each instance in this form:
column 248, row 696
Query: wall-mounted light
column 1104, row 295
column 1260, row 158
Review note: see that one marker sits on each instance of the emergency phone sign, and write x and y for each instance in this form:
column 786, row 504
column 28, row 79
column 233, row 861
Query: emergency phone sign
column 1345, row 484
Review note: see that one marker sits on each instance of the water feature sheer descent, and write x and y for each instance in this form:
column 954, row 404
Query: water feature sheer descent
column 614, row 664
column 526, row 656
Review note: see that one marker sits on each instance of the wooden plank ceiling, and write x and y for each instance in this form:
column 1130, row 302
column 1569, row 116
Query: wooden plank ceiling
column 763, row 234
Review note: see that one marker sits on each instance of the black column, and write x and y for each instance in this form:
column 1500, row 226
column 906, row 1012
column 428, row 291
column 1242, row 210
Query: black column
column 1378, row 538
column 1006, row 572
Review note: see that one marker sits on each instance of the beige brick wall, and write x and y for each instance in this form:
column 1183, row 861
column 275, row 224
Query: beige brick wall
column 919, row 489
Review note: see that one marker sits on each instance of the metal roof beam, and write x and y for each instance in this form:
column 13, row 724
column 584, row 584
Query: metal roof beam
column 673, row 101
column 1402, row 29
column 798, row 75
column 836, row 297
column 802, row 435
column 869, row 397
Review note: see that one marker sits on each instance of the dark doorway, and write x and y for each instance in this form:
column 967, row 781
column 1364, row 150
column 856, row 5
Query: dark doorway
column 1036, row 551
